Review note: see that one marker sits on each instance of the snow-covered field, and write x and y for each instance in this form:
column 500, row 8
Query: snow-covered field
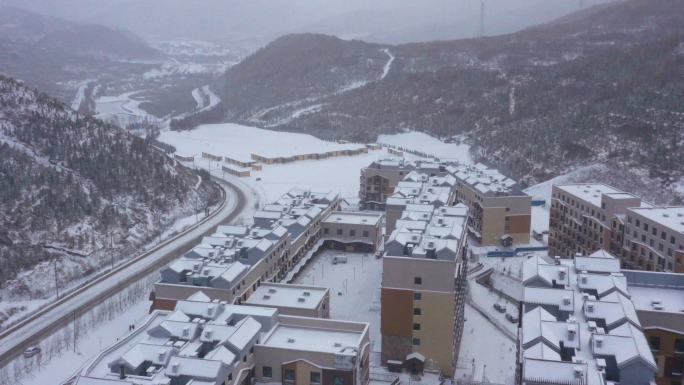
column 421, row 142
column 339, row 174
column 354, row 289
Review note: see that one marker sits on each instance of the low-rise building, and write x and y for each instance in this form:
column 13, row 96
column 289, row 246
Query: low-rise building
column 380, row 178
column 230, row 264
column 214, row 343
column 500, row 212
column 352, row 230
column 659, row 301
column 295, row 300
column 422, row 291
column 579, row 326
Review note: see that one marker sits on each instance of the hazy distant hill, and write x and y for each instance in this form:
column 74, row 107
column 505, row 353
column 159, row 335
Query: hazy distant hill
column 43, row 50
column 77, row 191
column 602, row 85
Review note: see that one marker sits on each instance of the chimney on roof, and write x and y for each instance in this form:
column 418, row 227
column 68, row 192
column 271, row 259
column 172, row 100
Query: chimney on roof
column 578, row 371
column 571, row 332
column 590, row 308
column 561, row 274
column 186, row 331
column 300, row 299
column 210, row 310
column 174, row 368
column 557, row 259
column 599, row 341
column 161, row 356
column 122, row 372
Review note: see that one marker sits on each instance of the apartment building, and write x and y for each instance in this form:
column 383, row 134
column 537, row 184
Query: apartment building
column 418, row 195
column 582, row 218
column 653, row 239
column 294, row 300
column 659, row 301
column 230, row 264
column 353, row 231
column 579, row 325
column 589, row 217
column 379, row 179
column 422, row 291
column 214, row 343
column 500, row 212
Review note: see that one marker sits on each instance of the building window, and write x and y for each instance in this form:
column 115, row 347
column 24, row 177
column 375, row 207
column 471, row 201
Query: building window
column 417, row 311
column 654, row 342
column 315, row 377
column 417, row 296
column 289, row 375
column 418, row 280
column 679, row 345
column 338, row 380
column 416, row 341
column 267, row 371
column 365, row 233
column 352, row 233
column 339, row 231
column 416, row 326
column 326, row 230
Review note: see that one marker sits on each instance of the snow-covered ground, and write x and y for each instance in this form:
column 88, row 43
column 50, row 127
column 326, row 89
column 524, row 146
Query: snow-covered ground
column 421, row 142
column 339, row 174
column 174, row 66
column 388, row 65
column 486, row 353
column 354, row 289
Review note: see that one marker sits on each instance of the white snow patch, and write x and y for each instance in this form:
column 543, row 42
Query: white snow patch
column 421, row 142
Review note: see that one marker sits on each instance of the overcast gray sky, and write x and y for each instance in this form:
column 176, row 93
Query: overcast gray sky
column 391, row 21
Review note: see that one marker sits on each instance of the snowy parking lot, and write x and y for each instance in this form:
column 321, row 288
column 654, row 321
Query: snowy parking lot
column 354, row 289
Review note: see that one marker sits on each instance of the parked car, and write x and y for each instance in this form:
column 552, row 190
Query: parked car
column 499, row 307
column 32, row 351
column 512, row 318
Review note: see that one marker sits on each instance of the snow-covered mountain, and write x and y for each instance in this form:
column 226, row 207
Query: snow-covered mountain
column 77, row 192
column 603, row 85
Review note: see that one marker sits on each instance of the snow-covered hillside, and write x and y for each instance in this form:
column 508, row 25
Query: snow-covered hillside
column 79, row 194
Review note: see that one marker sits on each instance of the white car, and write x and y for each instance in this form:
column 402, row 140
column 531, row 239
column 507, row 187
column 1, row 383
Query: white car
column 32, row 351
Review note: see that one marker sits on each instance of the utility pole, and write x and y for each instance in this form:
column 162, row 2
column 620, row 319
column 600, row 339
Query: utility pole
column 56, row 283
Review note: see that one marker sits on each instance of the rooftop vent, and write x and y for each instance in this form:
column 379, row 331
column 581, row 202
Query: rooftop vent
column 205, row 272
column 161, row 356
column 566, row 301
column 271, row 290
column 578, row 371
column 186, row 331
column 561, row 274
column 571, row 332
column 306, row 294
column 337, row 345
column 666, row 215
column 210, row 310
column 207, row 333
column 291, row 340
column 266, row 296
column 599, row 342
column 590, row 308
column 300, row 299
column 583, row 279
column 174, row 367
column 680, row 215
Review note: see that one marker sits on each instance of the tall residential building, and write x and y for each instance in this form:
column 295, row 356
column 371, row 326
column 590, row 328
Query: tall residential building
column 589, row 217
column 659, row 302
column 582, row 218
column 423, row 286
column 654, row 239
column 579, row 325
column 500, row 212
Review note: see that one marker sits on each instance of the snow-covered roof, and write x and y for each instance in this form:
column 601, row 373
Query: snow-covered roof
column 486, row 181
column 591, row 192
column 671, row 217
column 312, row 339
column 537, row 268
column 291, row 296
column 354, row 218
column 599, row 261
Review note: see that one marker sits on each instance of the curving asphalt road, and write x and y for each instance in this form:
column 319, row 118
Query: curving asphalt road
column 51, row 318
